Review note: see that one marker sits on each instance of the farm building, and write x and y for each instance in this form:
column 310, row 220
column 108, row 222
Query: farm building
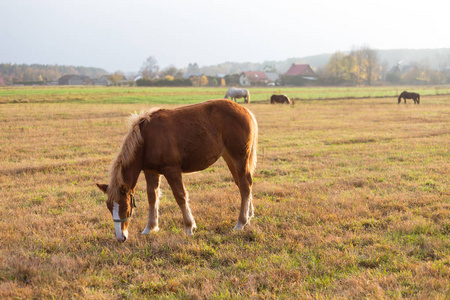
column 300, row 70
column 101, row 81
column 299, row 74
column 257, row 78
column 71, row 80
column 274, row 78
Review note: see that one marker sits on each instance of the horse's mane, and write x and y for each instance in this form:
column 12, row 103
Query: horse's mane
column 131, row 142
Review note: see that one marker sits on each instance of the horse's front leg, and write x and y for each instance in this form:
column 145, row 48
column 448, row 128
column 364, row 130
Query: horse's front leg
column 153, row 180
column 174, row 178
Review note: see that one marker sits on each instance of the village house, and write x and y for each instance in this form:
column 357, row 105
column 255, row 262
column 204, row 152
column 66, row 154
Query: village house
column 301, row 70
column 248, row 78
column 71, row 80
column 299, row 74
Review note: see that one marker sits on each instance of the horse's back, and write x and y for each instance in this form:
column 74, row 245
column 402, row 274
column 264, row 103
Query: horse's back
column 195, row 136
column 236, row 92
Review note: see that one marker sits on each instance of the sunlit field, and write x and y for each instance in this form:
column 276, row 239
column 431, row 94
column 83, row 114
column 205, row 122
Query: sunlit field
column 351, row 196
column 186, row 95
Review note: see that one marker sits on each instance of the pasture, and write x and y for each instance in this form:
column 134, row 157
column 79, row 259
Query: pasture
column 351, row 197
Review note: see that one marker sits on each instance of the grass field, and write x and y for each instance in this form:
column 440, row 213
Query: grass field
column 52, row 94
column 351, row 197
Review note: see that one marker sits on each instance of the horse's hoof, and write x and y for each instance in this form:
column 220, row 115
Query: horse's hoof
column 238, row 226
column 189, row 231
column 147, row 230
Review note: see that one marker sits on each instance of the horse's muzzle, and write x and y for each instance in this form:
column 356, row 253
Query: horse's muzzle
column 121, row 239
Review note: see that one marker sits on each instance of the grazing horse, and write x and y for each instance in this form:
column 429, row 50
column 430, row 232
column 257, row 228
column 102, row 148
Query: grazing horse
column 280, row 99
column 405, row 95
column 234, row 93
column 170, row 142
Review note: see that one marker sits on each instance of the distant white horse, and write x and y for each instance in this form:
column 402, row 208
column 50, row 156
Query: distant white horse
column 234, row 93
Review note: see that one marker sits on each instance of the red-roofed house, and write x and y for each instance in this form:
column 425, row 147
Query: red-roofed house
column 299, row 75
column 300, row 70
column 253, row 78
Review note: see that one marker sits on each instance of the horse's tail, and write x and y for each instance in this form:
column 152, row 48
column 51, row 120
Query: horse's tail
column 253, row 146
column 400, row 98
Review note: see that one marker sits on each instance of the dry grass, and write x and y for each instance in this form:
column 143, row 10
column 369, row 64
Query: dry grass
column 352, row 200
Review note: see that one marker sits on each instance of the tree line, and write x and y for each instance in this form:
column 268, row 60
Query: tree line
column 18, row 73
column 362, row 67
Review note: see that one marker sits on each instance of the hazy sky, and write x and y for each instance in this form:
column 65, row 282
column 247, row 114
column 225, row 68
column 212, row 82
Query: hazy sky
column 120, row 35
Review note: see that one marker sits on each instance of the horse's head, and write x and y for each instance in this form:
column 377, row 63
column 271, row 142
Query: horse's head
column 121, row 208
column 287, row 100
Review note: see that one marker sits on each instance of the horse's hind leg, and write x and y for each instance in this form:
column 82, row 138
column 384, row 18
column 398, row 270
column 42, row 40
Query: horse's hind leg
column 174, row 178
column 245, row 182
column 153, row 180
column 231, row 167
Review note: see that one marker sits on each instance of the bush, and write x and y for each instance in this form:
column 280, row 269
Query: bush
column 164, row 82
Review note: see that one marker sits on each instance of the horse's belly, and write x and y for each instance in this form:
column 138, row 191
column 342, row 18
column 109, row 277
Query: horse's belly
column 198, row 161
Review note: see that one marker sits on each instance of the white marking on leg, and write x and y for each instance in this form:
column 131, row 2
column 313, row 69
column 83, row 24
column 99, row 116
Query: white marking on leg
column 188, row 219
column 250, row 208
column 117, row 225
column 152, row 223
column 248, row 213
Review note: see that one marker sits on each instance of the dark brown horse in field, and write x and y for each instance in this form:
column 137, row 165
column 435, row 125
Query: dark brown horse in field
column 405, row 95
column 182, row 140
column 280, row 99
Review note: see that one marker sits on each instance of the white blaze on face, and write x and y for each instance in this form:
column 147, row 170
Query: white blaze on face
column 120, row 236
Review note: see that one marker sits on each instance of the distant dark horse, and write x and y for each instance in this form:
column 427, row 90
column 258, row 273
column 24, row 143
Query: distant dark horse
column 280, row 99
column 405, row 95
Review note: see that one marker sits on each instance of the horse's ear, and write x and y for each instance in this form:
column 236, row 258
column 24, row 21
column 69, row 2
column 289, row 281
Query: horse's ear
column 102, row 187
column 124, row 189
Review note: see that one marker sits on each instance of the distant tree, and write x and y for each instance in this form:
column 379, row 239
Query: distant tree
column 195, row 80
column 232, row 79
column 149, row 68
column 169, row 77
column 223, row 82
column 335, row 67
column 116, row 77
column 203, row 80
column 212, row 81
column 349, row 69
column 372, row 69
column 359, row 67
column 171, row 70
column 193, row 69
